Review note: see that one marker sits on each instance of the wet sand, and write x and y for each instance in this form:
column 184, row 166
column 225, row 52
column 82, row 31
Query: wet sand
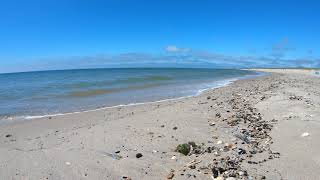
column 250, row 129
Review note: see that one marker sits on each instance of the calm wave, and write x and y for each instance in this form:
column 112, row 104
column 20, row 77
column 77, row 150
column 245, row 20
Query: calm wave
column 50, row 92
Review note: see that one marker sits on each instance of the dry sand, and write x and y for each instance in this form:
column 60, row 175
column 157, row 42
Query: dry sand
column 261, row 120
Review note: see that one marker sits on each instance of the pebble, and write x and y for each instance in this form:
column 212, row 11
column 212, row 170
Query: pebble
column 8, row 135
column 305, row 134
column 139, row 155
column 219, row 142
column 241, row 151
column 171, row 174
column 175, row 128
column 212, row 124
column 216, row 153
column 68, row 163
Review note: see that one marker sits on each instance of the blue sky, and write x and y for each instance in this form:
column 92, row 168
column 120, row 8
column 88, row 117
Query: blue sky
column 63, row 34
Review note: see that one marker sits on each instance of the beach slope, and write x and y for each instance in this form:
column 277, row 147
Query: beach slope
column 259, row 128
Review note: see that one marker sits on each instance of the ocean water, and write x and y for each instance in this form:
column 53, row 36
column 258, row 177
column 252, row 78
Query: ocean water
column 52, row 92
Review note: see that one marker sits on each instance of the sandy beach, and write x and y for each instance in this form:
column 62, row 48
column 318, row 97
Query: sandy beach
column 261, row 128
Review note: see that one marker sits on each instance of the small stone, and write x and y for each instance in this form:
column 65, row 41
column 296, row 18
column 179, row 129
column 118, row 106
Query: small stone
column 162, row 126
column 305, row 134
column 241, row 151
column 241, row 173
column 8, row 135
column 171, row 174
column 215, row 172
column 232, row 146
column 174, row 158
column 219, row 142
column 68, row 163
column 212, row 124
column 117, row 152
column 175, row 128
column 139, row 155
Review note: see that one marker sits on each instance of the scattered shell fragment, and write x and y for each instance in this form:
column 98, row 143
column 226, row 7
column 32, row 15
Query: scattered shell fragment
column 231, row 146
column 212, row 124
column 171, row 174
column 305, row 134
column 219, row 142
column 68, row 163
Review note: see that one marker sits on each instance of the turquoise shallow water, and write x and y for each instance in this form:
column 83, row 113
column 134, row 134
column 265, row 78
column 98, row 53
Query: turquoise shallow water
column 51, row 92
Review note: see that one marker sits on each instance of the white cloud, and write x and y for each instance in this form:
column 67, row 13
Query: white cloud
column 175, row 49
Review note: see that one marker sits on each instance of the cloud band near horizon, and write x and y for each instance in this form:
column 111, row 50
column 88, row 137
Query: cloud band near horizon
column 173, row 56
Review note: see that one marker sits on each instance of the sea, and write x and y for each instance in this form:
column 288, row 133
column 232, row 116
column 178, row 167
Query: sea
column 28, row 95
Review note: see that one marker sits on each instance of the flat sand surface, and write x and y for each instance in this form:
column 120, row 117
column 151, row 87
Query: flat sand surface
column 251, row 129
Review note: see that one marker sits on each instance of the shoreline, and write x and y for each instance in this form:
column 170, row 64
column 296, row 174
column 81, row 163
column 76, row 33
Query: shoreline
column 226, row 82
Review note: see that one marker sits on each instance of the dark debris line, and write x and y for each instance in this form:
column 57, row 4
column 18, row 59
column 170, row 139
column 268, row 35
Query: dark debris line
column 251, row 132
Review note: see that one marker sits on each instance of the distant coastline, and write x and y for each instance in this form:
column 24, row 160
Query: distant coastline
column 306, row 71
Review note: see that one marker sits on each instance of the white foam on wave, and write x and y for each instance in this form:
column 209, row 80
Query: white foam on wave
column 217, row 84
